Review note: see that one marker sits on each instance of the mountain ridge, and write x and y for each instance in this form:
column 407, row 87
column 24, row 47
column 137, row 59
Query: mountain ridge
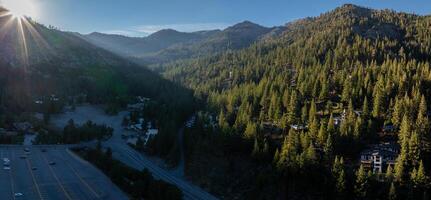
column 169, row 44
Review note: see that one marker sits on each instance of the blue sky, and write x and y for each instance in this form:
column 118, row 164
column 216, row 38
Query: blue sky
column 143, row 17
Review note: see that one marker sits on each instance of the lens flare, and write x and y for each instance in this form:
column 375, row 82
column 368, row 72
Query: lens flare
column 20, row 8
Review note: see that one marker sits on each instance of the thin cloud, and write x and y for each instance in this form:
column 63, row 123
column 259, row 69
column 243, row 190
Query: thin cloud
column 145, row 30
column 130, row 33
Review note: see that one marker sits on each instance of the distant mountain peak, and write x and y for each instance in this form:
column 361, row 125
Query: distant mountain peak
column 352, row 10
column 164, row 32
column 246, row 24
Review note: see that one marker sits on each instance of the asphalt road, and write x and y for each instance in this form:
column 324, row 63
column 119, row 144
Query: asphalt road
column 70, row 178
column 126, row 154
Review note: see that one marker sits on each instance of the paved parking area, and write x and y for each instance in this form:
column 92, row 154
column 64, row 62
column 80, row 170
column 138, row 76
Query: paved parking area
column 52, row 172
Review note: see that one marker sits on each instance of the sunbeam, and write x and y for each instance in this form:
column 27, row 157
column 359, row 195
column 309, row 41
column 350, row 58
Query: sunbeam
column 21, row 8
column 22, row 40
column 27, row 37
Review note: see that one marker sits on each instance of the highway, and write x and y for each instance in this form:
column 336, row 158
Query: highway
column 126, row 154
column 35, row 176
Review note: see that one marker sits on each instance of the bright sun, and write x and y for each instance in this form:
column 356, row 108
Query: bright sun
column 20, row 8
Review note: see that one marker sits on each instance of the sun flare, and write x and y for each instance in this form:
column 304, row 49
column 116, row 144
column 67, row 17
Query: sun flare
column 20, row 8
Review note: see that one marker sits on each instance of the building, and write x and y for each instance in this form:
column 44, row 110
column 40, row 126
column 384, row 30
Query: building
column 337, row 121
column 298, row 127
column 379, row 156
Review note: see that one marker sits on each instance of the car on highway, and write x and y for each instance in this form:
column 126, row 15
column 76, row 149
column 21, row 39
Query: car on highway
column 43, row 150
column 6, row 168
column 33, row 168
column 23, row 157
column 52, row 163
column 26, row 149
column 6, row 159
column 18, row 194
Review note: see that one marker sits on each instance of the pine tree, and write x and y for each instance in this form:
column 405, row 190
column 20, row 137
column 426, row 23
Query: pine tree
column 222, row 121
column 389, row 174
column 365, row 108
column 405, row 130
column 422, row 121
column 339, row 175
column 314, row 128
column 418, row 176
column 322, row 136
column 329, row 146
column 400, row 169
column 347, row 89
column 414, row 149
column 294, row 109
column 397, row 113
column 392, row 192
column 379, row 97
column 361, row 184
column 359, row 128
column 324, row 92
column 256, row 149
column 313, row 111
column 250, row 130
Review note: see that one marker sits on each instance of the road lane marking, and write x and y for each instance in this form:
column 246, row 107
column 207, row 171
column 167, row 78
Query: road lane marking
column 34, row 179
column 80, row 178
column 56, row 178
column 11, row 178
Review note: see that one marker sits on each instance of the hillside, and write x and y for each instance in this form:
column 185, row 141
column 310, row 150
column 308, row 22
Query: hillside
column 139, row 47
column 298, row 109
column 167, row 45
column 65, row 64
column 41, row 64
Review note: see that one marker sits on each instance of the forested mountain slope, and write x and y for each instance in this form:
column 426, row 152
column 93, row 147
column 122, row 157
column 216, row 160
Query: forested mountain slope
column 168, row 45
column 37, row 63
column 139, row 47
column 303, row 105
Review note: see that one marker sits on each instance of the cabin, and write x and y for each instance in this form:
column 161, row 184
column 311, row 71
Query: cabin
column 379, row 156
column 298, row 127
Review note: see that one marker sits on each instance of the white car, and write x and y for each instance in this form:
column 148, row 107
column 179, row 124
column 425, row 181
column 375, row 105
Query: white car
column 19, row 194
column 6, row 168
column 6, row 159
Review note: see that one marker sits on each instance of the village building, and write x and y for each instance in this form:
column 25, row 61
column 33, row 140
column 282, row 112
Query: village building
column 379, row 156
column 298, row 127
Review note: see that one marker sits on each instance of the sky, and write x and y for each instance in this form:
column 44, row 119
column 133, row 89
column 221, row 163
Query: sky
column 143, row 17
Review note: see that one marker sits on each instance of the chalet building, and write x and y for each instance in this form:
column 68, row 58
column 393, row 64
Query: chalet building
column 340, row 118
column 298, row 127
column 337, row 121
column 379, row 156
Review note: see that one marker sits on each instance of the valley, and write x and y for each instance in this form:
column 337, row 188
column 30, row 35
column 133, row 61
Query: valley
column 332, row 105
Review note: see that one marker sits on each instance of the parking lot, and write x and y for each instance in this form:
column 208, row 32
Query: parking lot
column 51, row 172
